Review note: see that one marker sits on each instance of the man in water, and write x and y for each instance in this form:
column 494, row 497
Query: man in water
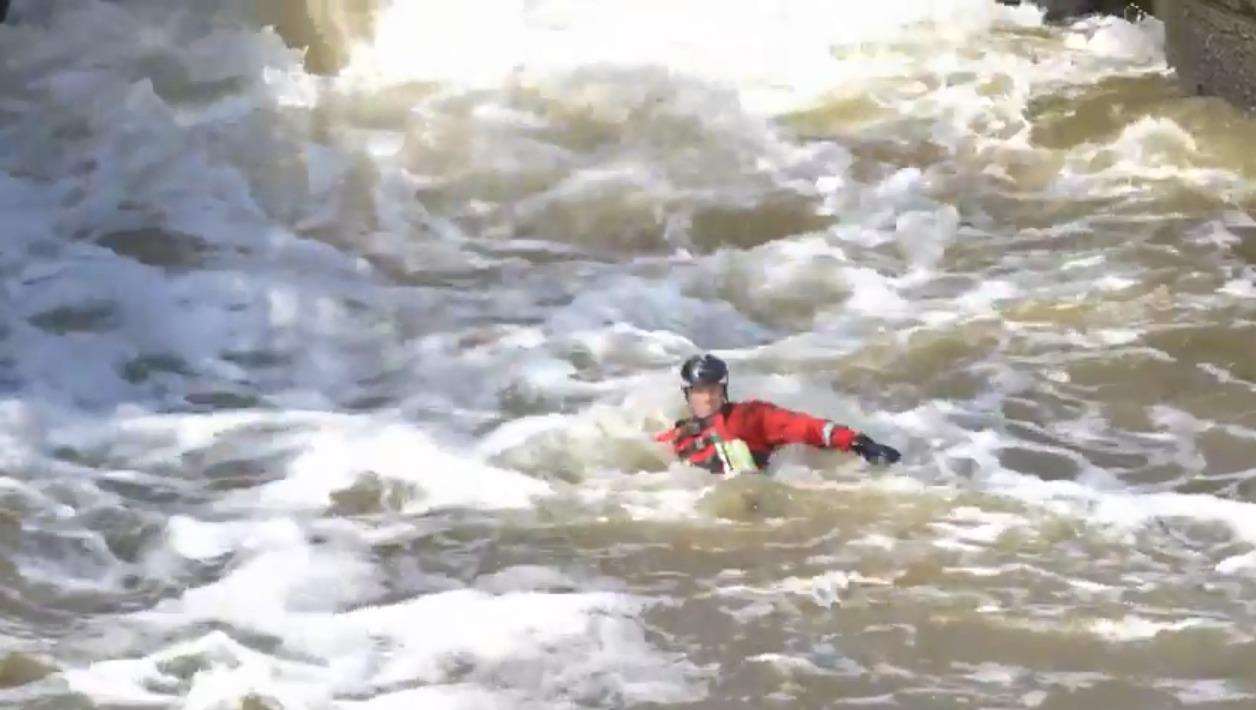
column 736, row 437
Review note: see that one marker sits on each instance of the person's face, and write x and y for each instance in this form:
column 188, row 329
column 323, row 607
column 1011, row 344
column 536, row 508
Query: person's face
column 705, row 400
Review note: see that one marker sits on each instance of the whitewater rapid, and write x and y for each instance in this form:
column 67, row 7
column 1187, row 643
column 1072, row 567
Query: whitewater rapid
column 338, row 391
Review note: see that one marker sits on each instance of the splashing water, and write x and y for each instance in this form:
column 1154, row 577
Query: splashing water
column 337, row 391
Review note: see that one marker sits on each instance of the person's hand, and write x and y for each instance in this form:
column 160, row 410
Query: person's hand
column 873, row 452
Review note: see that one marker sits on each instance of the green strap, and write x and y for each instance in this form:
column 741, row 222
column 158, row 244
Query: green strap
column 736, row 457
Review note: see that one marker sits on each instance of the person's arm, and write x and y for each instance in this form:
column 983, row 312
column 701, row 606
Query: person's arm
column 779, row 426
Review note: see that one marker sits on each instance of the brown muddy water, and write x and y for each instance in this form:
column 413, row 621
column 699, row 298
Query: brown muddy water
column 338, row 391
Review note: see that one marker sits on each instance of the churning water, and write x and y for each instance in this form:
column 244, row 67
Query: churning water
column 337, row 392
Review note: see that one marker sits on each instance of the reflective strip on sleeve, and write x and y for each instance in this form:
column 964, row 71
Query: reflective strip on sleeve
column 828, row 433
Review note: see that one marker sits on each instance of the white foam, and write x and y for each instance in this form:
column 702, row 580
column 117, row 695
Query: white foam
column 1089, row 587
column 993, row 673
column 1238, row 563
column 1034, row 698
column 874, row 295
column 1118, row 336
column 873, row 700
column 923, row 236
column 335, row 457
column 824, row 589
column 1149, row 149
column 1115, row 283
column 194, row 539
column 591, row 634
column 972, row 524
column 1128, row 510
column 532, row 646
column 525, row 578
column 1199, row 692
column 777, row 51
column 1135, row 628
column 879, row 541
column 1111, row 37
column 984, row 296
column 235, row 164
column 1085, row 262
column 658, row 306
column 805, row 666
column 1241, row 288
column 449, row 696
column 228, row 671
column 673, row 495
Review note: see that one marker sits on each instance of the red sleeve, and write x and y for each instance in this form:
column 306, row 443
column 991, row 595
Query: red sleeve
column 778, row 426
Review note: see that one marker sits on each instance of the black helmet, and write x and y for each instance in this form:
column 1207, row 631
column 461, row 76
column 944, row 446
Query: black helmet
column 704, row 370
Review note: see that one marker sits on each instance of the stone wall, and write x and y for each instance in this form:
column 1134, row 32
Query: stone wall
column 1212, row 46
column 1210, row 43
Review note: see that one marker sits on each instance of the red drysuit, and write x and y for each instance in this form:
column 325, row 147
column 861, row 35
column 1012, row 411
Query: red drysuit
column 763, row 426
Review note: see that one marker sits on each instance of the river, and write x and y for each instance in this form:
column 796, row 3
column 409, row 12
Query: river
column 338, row 391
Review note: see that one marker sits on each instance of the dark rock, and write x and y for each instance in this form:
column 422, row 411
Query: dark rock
column 1060, row 9
column 1212, row 46
column 1057, row 10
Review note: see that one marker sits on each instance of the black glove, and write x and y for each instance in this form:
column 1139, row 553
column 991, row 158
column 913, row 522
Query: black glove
column 874, row 452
